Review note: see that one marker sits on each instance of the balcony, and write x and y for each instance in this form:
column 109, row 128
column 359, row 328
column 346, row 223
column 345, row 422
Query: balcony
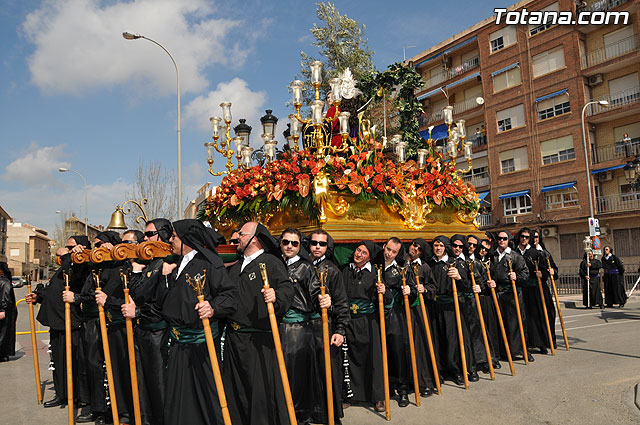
column 610, row 51
column 620, row 150
column 477, row 141
column 448, row 74
column 484, row 220
column 618, row 203
column 620, row 99
column 478, row 180
column 601, row 5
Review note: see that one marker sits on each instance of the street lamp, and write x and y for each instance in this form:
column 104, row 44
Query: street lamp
column 129, row 36
column 269, row 122
column 632, row 172
column 586, row 156
column 86, row 226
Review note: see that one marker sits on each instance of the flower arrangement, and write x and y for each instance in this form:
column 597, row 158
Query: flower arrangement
column 286, row 184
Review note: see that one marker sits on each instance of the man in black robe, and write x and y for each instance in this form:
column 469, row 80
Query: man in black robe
column 613, row 279
column 501, row 281
column 590, row 275
column 321, row 247
column 546, row 269
column 190, row 393
column 147, row 292
column 8, row 314
column 427, row 287
column 444, row 327
column 363, row 334
column 399, row 357
column 254, row 387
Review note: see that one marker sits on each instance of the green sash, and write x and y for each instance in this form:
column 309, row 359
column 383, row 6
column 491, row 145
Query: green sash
column 297, row 316
column 185, row 335
column 360, row 306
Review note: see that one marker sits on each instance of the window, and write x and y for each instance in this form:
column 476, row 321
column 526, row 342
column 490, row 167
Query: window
column 514, row 160
column 15, row 252
column 624, row 90
column 509, row 78
column 625, row 242
column 561, row 199
column 619, row 42
column 554, row 106
column 510, row 118
column 547, row 23
column 557, row 150
column 548, row 61
column 502, row 38
column 517, row 205
column 571, row 247
column 628, row 193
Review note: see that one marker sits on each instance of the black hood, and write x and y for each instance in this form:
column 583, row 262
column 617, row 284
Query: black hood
column 5, row 269
column 109, row 236
column 331, row 245
column 463, row 239
column 195, row 235
column 269, row 243
column 424, row 248
column 138, row 234
column 164, row 228
column 82, row 240
column 373, row 248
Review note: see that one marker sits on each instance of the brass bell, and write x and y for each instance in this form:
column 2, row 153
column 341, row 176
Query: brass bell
column 117, row 219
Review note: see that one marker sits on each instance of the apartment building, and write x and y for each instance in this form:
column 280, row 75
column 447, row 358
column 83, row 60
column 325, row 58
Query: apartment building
column 29, row 251
column 195, row 205
column 4, row 220
column 521, row 90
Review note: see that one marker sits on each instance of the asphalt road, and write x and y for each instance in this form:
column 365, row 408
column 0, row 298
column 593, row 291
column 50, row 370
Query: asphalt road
column 592, row 383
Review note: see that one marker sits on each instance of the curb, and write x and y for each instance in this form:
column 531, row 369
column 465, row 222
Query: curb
column 636, row 398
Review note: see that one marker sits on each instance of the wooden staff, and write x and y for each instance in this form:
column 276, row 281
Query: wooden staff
column 546, row 313
column 383, row 343
column 132, row 355
column 482, row 327
column 412, row 348
column 427, row 330
column 456, row 305
column 197, row 283
column 68, row 354
column 503, row 331
column 515, row 298
column 107, row 353
column 34, row 344
column 322, row 277
column 278, row 346
column 555, row 293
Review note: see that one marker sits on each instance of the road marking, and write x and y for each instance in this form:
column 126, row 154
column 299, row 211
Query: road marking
column 603, row 324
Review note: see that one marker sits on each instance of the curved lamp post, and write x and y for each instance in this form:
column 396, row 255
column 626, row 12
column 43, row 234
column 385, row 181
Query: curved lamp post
column 129, row 36
column 86, row 226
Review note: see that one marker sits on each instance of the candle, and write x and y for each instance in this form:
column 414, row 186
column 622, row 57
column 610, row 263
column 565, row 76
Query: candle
column 448, row 114
column 422, row 158
column 215, row 127
column 296, row 87
column 316, row 111
column 226, row 111
column 316, row 72
column 344, row 122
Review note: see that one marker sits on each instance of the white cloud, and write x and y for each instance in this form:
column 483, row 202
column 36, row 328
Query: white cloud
column 245, row 103
column 79, row 46
column 38, row 166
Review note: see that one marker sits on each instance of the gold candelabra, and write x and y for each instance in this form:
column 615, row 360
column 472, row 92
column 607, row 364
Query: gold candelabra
column 224, row 147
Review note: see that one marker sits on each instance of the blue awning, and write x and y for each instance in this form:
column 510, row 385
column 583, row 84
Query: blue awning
column 449, row 50
column 602, row 170
column 462, row 80
column 514, row 194
column 558, row 187
column 505, row 69
column 483, row 195
column 558, row 93
column 430, row 93
column 438, row 132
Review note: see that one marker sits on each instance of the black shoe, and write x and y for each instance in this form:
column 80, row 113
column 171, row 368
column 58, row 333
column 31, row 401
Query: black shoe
column 55, row 402
column 589, row 308
column 601, row 307
column 473, row 376
column 530, row 357
column 427, row 392
column 484, row 367
column 404, row 400
column 458, row 379
column 101, row 420
column 622, row 305
column 87, row 417
column 609, row 305
column 543, row 350
column 496, row 365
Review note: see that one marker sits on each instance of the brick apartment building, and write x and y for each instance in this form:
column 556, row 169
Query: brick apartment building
column 521, row 90
column 28, row 250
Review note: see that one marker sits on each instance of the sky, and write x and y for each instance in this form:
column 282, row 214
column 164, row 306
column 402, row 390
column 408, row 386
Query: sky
column 74, row 93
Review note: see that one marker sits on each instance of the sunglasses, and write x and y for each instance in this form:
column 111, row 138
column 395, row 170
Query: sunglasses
column 503, row 238
column 286, row 242
column 472, row 244
column 129, row 242
column 314, row 243
column 70, row 247
column 98, row 244
column 525, row 236
column 234, row 241
column 151, row 233
column 484, row 247
column 457, row 245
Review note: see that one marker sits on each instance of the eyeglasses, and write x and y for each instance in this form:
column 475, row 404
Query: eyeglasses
column 503, row 238
column 314, row 243
column 98, row 244
column 70, row 247
column 483, row 248
column 525, row 236
column 234, row 241
column 151, row 233
column 129, row 241
column 472, row 244
column 457, row 245
column 286, row 242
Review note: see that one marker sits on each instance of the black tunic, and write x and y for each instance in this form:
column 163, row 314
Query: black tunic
column 254, row 387
column 489, row 312
column 614, row 292
column 8, row 324
column 363, row 334
column 500, row 274
column 595, row 295
column 191, row 396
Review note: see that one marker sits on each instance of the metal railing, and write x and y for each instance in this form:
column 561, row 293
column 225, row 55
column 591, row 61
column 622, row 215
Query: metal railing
column 465, row 106
column 569, row 281
column 484, row 220
column 620, row 150
column 477, row 141
column 481, row 179
column 450, row 73
column 601, row 5
column 616, row 100
column 610, row 51
column 618, row 203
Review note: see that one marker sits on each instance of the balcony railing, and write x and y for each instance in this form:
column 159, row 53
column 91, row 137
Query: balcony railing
column 610, row 51
column 618, row 203
column 617, row 100
column 620, row 150
column 450, row 73
column 465, row 106
column 484, row 220
column 477, row 141
column 601, row 5
column 477, row 180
